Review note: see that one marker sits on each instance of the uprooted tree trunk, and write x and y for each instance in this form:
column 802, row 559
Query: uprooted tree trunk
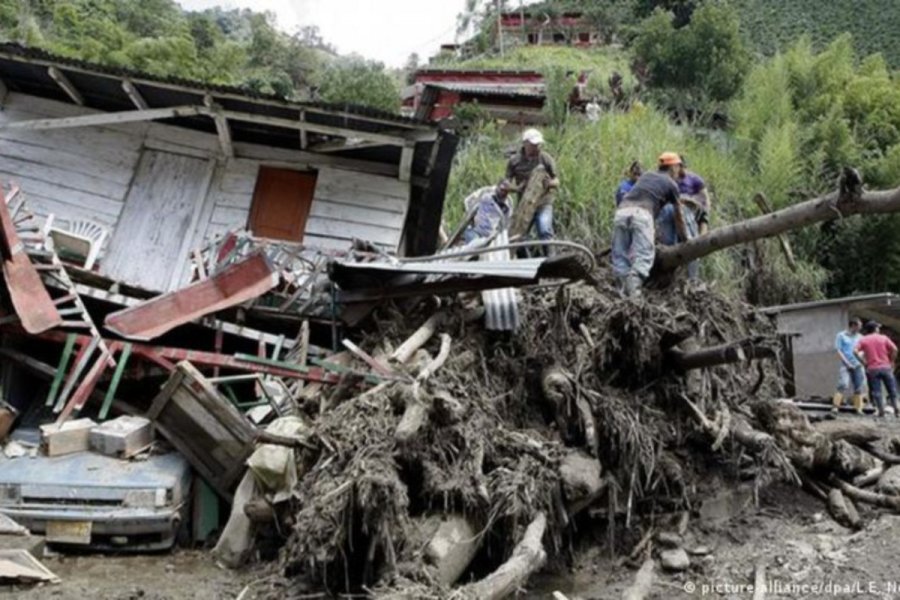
column 850, row 199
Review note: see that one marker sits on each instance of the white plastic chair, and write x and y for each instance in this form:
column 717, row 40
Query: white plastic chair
column 81, row 238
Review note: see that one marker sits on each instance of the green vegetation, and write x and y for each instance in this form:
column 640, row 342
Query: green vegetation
column 232, row 47
column 772, row 25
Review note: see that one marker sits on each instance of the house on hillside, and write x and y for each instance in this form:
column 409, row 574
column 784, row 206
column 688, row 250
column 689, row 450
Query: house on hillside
column 812, row 327
column 532, row 28
column 515, row 97
column 161, row 165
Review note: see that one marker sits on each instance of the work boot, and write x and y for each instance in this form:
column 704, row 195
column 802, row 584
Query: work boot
column 837, row 401
column 858, row 403
column 633, row 285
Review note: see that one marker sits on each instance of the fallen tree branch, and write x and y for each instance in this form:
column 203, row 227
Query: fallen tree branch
column 849, row 200
column 526, row 559
column 439, row 360
column 873, row 498
column 421, row 335
column 732, row 352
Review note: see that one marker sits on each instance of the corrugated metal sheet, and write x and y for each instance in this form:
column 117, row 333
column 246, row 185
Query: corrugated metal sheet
column 493, row 89
column 501, row 306
column 498, row 267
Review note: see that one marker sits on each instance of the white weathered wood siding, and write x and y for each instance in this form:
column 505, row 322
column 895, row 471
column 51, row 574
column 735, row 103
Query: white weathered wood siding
column 86, row 173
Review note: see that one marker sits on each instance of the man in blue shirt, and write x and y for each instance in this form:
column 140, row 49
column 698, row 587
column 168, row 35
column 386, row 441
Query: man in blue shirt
column 850, row 369
column 631, row 176
column 491, row 214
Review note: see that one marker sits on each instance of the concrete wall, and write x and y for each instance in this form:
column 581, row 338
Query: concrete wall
column 815, row 361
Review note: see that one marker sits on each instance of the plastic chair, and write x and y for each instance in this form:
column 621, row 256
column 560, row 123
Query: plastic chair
column 80, row 240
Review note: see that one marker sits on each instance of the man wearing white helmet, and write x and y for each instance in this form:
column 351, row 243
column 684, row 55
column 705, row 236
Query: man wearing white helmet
column 534, row 176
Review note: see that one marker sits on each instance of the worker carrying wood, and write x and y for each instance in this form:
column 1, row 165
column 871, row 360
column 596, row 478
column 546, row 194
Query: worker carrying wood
column 634, row 229
column 850, row 370
column 535, row 179
column 878, row 353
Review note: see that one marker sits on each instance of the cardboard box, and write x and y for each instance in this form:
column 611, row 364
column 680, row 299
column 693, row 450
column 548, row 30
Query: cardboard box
column 71, row 436
column 122, row 437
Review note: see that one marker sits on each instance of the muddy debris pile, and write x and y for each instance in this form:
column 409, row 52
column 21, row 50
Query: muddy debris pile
column 476, row 456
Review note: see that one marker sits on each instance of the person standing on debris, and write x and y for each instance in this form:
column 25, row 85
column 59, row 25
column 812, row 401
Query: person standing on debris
column 491, row 213
column 694, row 207
column 634, row 231
column 878, row 353
column 631, row 176
column 535, row 179
column 850, row 371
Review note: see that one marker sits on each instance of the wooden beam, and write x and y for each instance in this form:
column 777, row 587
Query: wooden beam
column 136, row 98
column 298, row 159
column 127, row 116
column 304, row 142
column 339, row 146
column 395, row 139
column 406, row 159
column 66, row 85
column 222, row 127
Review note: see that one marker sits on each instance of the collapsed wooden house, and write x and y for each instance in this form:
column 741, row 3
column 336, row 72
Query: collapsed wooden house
column 160, row 165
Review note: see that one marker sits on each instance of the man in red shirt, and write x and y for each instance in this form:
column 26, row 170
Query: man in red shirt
column 878, row 353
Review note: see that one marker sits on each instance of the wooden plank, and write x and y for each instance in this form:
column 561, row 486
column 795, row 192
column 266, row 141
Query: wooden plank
column 182, row 276
column 110, row 147
column 61, row 369
column 125, row 116
column 119, row 171
column 66, row 85
column 344, row 184
column 136, row 98
column 343, row 230
column 114, row 384
column 406, row 159
column 229, row 217
column 372, row 215
column 297, row 159
column 233, row 199
column 237, row 283
column 188, row 138
column 29, row 107
column 77, row 184
column 156, row 220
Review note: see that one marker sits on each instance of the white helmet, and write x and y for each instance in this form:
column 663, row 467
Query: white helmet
column 533, row 136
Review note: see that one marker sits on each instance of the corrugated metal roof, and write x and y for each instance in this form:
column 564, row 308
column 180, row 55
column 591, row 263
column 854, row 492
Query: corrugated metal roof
column 882, row 299
column 501, row 306
column 505, row 267
column 492, row 89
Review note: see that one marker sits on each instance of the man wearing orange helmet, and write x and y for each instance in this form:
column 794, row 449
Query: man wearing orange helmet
column 634, row 230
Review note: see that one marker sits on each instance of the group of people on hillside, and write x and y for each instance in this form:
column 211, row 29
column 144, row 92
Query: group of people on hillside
column 866, row 358
column 667, row 205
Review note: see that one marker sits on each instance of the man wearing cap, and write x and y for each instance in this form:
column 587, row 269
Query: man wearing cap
column 634, row 231
column 534, row 177
column 850, row 370
column 491, row 213
column 878, row 353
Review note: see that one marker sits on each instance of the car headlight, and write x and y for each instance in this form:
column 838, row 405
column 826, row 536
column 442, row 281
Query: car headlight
column 141, row 498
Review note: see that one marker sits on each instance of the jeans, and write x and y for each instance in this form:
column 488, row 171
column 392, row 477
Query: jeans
column 847, row 375
column 876, row 377
column 668, row 232
column 633, row 249
column 542, row 221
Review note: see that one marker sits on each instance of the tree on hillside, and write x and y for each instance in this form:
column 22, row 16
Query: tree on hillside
column 701, row 63
column 682, row 10
column 355, row 80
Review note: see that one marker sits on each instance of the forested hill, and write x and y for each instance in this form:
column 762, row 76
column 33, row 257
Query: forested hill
column 772, row 25
column 224, row 46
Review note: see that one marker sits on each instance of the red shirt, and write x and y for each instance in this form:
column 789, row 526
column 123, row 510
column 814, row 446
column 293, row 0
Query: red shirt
column 877, row 349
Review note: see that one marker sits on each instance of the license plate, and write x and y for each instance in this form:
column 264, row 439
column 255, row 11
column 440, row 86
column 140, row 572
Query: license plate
column 69, row 532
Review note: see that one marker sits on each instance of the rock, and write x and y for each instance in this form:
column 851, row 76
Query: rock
column 674, row 560
column 452, row 548
column 669, row 539
column 700, row 551
column 889, row 482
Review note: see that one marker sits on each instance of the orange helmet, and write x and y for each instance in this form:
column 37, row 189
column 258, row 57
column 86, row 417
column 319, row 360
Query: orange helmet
column 668, row 159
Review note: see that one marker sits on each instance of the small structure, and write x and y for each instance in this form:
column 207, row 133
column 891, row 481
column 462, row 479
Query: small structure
column 813, row 327
column 533, row 28
column 164, row 164
column 504, row 95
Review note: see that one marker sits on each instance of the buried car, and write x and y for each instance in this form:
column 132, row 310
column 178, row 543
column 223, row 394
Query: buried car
column 98, row 502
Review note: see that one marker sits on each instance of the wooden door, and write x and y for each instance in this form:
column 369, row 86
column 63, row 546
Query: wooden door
column 149, row 245
column 281, row 203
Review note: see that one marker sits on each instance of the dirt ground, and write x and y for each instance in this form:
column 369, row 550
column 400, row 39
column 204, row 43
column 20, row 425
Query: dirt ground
column 806, row 556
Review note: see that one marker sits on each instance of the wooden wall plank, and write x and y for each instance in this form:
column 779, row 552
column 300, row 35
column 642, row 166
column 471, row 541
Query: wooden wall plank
column 63, row 195
column 83, row 182
column 372, row 214
column 346, row 231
